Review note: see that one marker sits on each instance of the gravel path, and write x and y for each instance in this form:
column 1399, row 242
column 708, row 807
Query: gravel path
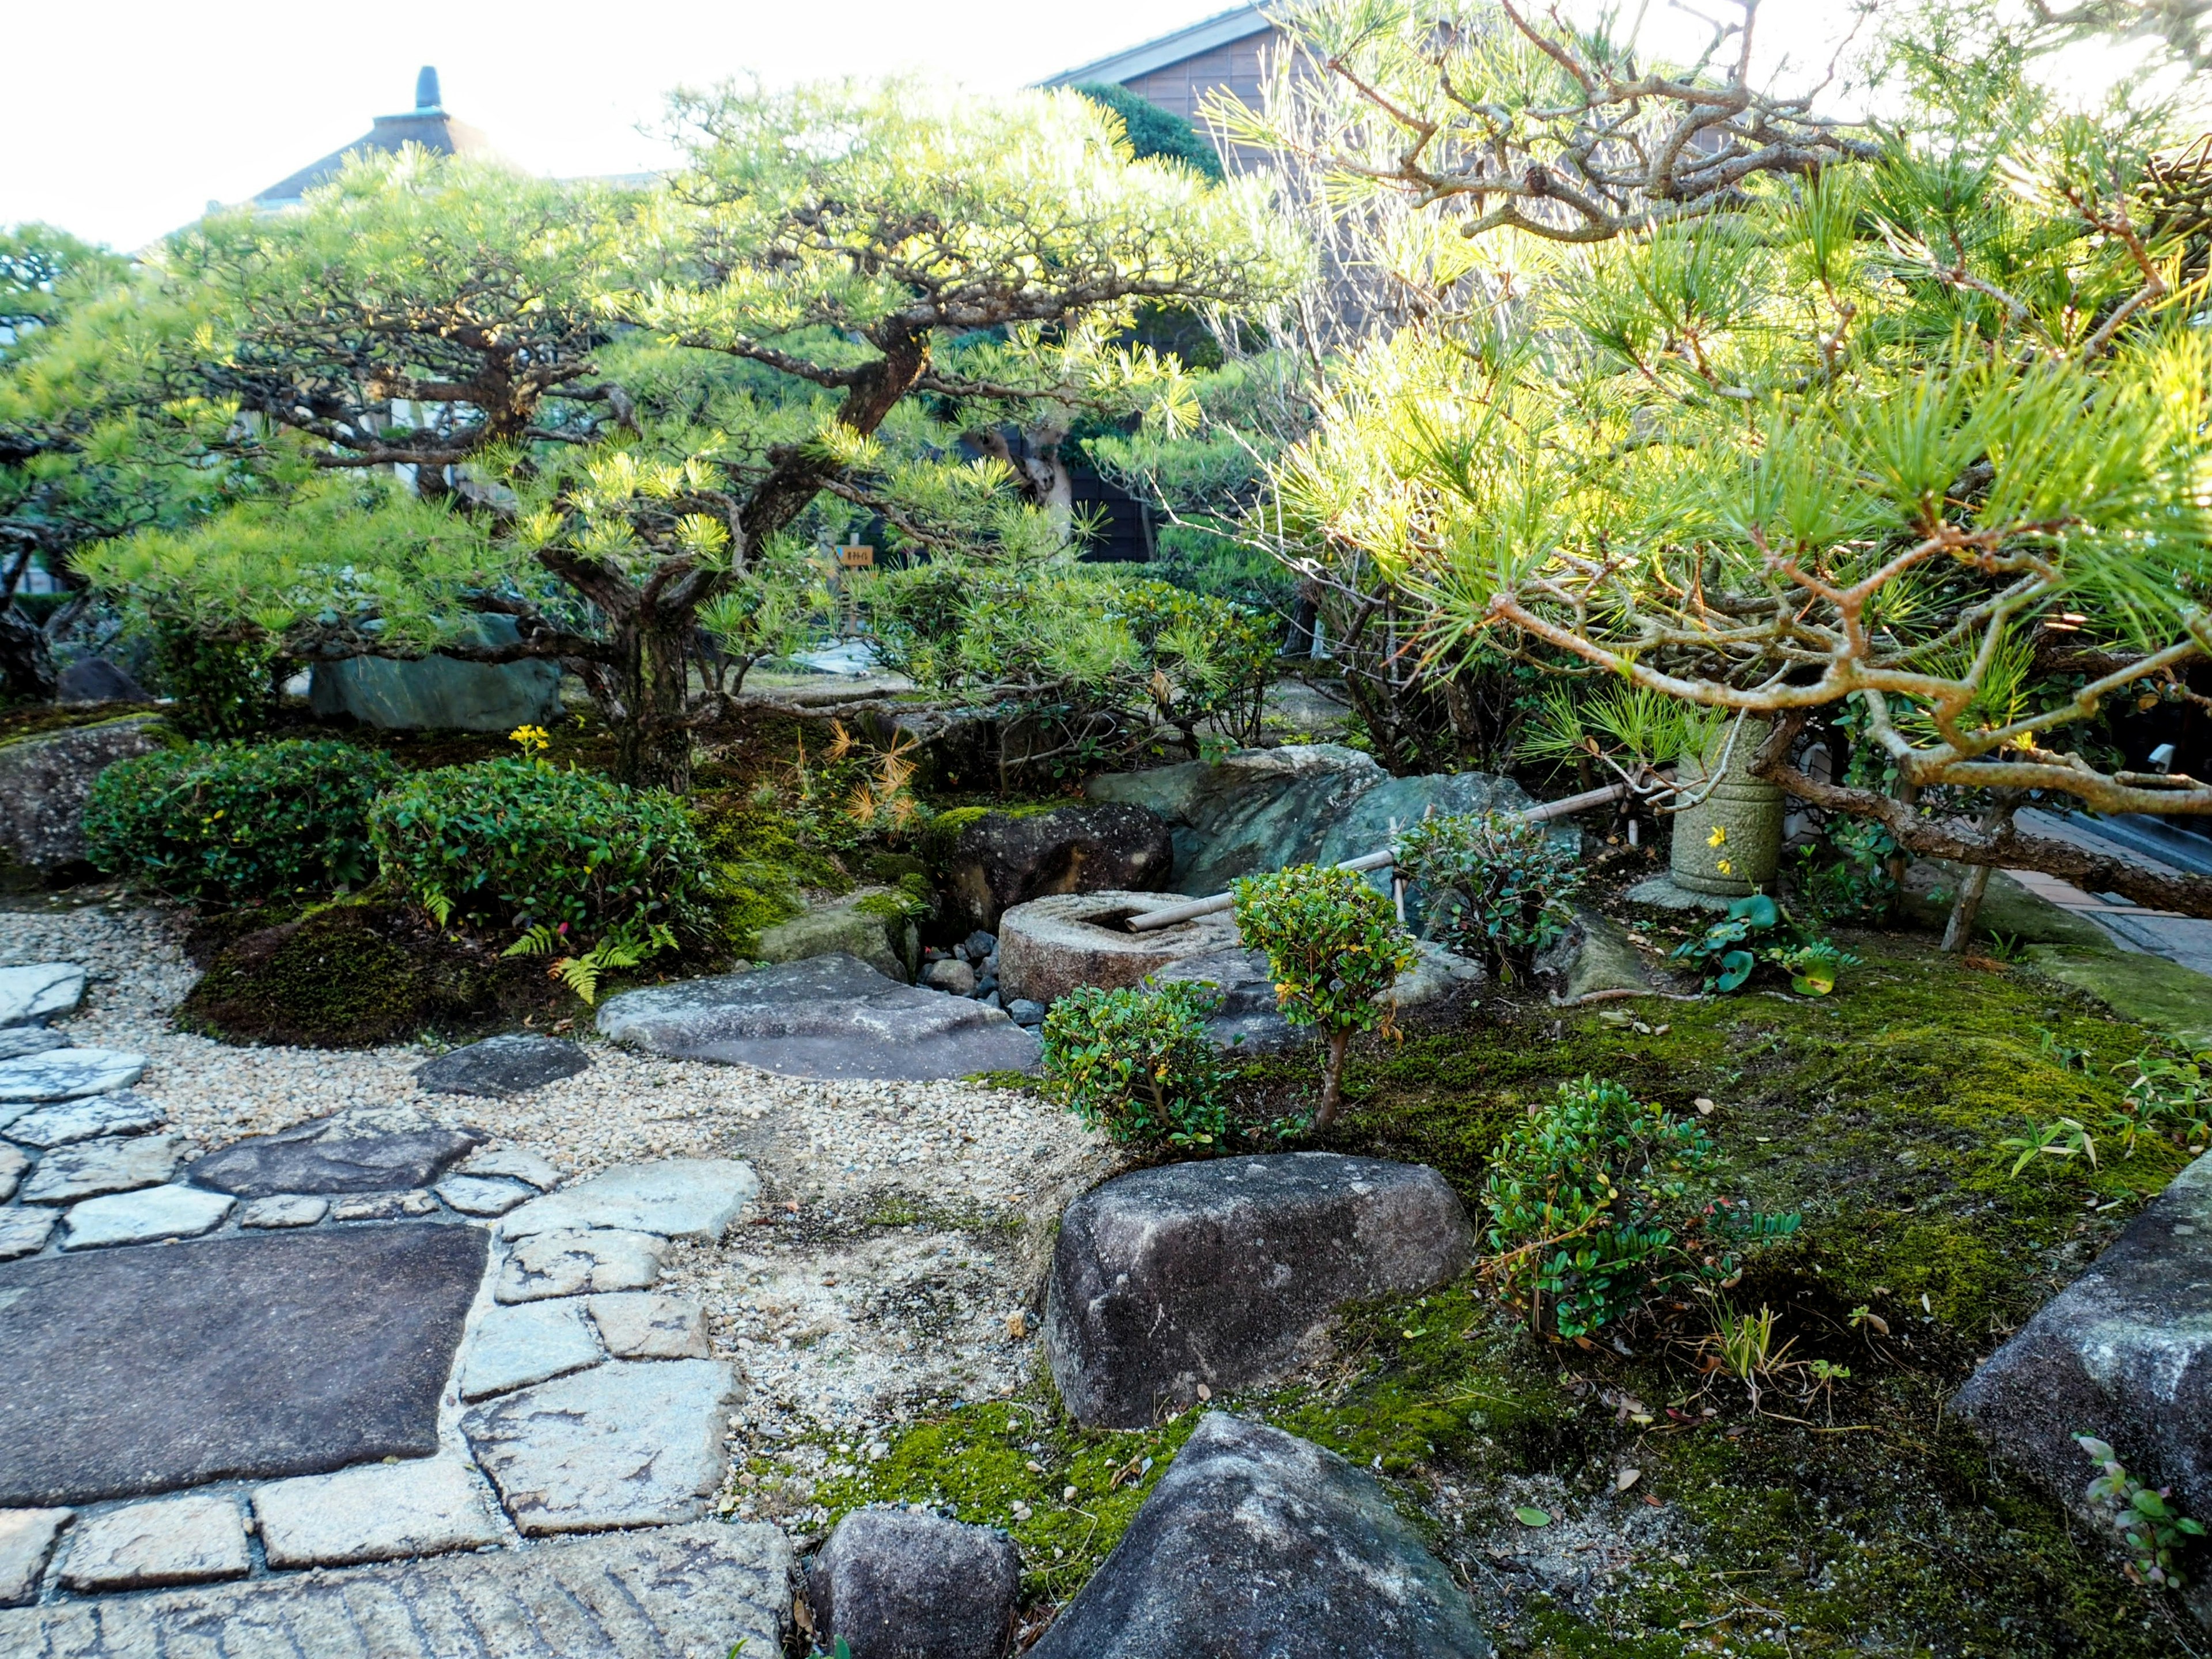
column 895, row 1266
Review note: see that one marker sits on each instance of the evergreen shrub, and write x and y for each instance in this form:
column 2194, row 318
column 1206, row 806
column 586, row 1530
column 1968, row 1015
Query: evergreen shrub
column 1140, row 1064
column 1495, row 886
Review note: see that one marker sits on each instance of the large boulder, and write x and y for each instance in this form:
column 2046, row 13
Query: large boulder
column 1222, row 1272
column 95, row 679
column 45, row 779
column 2124, row 1353
column 874, row 928
column 996, row 861
column 1258, row 1545
column 827, row 1017
column 908, row 1585
column 440, row 694
column 1049, row 946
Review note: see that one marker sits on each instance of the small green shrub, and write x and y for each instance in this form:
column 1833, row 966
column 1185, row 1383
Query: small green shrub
column 229, row 822
column 1597, row 1205
column 1845, row 876
column 1334, row 947
column 567, row 861
column 1495, row 884
column 1139, row 1064
column 2144, row 1521
column 221, row 687
column 1757, row 929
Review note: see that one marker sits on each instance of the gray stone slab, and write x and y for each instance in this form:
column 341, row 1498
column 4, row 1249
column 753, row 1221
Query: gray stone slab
column 516, row 1164
column 485, row 1195
column 93, row 1167
column 25, row 1231
column 677, row 1198
column 286, row 1210
column 421, row 1506
column 502, row 1066
column 384, row 1206
column 571, row 1264
column 174, row 1540
column 13, row 1163
column 140, row 1218
column 624, row 1445
column 513, row 1348
column 350, row 1153
column 147, row 1368
column 68, row 1074
column 16, row 1041
column 125, row 1114
column 27, row 1539
column 827, row 1017
column 39, row 991
column 693, row 1592
column 637, row 1325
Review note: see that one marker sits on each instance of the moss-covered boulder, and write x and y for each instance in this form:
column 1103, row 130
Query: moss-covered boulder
column 45, row 778
column 875, row 928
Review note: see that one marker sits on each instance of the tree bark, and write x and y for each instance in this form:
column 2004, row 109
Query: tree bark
column 1332, row 1080
column 653, row 747
column 27, row 665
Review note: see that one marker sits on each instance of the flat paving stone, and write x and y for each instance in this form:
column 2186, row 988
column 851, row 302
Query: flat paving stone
column 91, row 1167
column 677, row 1198
column 286, row 1210
column 516, row 1164
column 484, row 1195
column 422, row 1506
column 384, row 1206
column 638, row 1325
column 513, row 1348
column 140, row 1217
column 67, row 1074
column 27, row 1539
column 349, row 1153
column 502, row 1066
column 39, row 991
column 175, row 1540
column 25, row 1231
column 16, row 1041
column 694, row 1592
column 85, row 1119
column 12, row 1165
column 571, row 1264
column 629, row 1443
column 147, row 1368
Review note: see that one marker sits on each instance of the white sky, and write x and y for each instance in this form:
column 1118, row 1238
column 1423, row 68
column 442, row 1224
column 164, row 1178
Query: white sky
column 123, row 118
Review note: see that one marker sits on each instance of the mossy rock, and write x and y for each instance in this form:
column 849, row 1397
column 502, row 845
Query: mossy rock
column 356, row 974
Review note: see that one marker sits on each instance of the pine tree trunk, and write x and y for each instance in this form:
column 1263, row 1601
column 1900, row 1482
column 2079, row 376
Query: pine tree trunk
column 653, row 742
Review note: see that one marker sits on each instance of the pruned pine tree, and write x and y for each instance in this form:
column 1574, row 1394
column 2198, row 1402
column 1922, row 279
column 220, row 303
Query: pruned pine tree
column 621, row 407
column 1918, row 430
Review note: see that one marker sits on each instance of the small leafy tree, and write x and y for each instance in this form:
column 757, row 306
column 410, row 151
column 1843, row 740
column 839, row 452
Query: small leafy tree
column 1492, row 883
column 1140, row 1063
column 1334, row 949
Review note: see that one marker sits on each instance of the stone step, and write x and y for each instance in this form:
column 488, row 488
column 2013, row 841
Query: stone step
column 691, row 1592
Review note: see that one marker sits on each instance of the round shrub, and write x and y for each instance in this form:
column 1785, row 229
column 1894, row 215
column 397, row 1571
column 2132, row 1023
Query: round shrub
column 227, row 822
column 1495, row 884
column 513, row 845
column 1139, row 1064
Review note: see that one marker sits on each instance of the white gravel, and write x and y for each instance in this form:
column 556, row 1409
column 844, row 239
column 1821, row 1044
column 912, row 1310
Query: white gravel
column 897, row 1260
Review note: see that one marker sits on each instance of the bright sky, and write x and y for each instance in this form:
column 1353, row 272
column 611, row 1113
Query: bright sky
column 124, row 119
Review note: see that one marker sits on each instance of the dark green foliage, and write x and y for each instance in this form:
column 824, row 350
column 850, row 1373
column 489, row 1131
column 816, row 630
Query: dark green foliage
column 1139, row 1064
column 1153, row 130
column 1598, row 1205
column 229, row 822
column 1494, row 884
column 1845, row 877
column 509, row 846
column 221, row 686
column 1757, row 929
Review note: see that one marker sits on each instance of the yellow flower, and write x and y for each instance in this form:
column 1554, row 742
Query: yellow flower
column 1719, row 835
column 1725, row 867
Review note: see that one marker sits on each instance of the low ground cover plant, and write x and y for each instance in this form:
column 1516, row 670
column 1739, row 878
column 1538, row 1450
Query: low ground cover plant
column 1335, row 948
column 1140, row 1064
column 1756, row 929
column 1494, row 885
column 228, row 822
column 1599, row 1204
column 2144, row 1521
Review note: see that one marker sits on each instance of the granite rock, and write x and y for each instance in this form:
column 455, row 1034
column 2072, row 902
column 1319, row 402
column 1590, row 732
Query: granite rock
column 91, row 1167
column 95, row 679
column 572, row 1264
column 1050, row 946
column 516, row 1163
column 421, row 1506
column 286, row 1210
column 1000, row 859
column 144, row 1215
column 438, row 693
column 27, row 1539
column 383, row 1207
column 45, row 781
column 39, row 991
column 25, row 1231
column 1222, row 1272
column 952, row 977
column 352, row 1153
column 827, row 1016
column 67, row 1074
column 176, row 1540
column 907, row 1584
column 636, row 1325
column 675, row 1198
column 502, row 1066
column 629, row 1443
column 482, row 1195
column 124, row 1114
column 890, row 944
column 513, row 1347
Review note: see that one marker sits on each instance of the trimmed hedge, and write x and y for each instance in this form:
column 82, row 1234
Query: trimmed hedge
column 227, row 822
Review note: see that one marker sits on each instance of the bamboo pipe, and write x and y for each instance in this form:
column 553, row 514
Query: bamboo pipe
column 1539, row 814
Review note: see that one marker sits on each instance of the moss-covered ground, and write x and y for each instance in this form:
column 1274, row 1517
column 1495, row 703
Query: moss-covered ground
column 1852, row 1516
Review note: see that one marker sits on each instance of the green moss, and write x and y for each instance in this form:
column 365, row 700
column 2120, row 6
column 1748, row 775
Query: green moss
column 893, row 907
